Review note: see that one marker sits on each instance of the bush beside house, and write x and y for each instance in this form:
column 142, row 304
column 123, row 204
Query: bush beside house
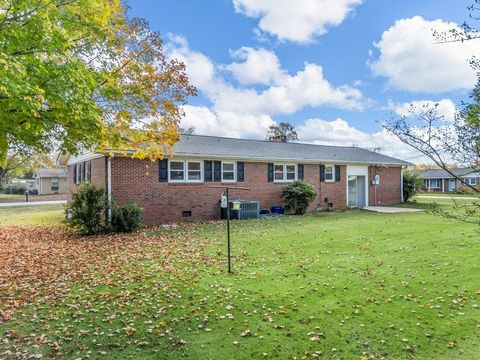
column 298, row 196
column 88, row 213
column 412, row 183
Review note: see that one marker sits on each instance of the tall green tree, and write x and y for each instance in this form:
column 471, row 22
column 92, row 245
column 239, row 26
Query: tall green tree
column 282, row 132
column 22, row 163
column 81, row 73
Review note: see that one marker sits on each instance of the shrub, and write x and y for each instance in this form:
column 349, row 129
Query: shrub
column 87, row 211
column 298, row 195
column 464, row 191
column 412, row 183
column 127, row 218
column 15, row 189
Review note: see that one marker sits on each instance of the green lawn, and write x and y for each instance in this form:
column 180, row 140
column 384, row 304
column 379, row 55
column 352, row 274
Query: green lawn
column 340, row 285
column 32, row 215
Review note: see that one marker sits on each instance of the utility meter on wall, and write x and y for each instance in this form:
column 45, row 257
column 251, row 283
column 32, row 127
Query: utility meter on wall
column 223, row 203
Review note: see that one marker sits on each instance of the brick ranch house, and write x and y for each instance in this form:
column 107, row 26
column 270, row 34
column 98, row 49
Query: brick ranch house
column 179, row 186
column 439, row 180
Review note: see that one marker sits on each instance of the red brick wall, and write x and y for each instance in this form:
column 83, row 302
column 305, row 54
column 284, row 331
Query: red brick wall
column 388, row 191
column 98, row 176
column 137, row 181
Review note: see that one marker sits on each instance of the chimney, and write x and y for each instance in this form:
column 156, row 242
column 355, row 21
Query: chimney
column 279, row 138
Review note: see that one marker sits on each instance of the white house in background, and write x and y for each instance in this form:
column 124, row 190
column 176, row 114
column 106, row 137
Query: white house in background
column 51, row 181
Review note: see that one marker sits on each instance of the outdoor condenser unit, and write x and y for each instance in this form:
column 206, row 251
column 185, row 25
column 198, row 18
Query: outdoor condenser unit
column 248, row 210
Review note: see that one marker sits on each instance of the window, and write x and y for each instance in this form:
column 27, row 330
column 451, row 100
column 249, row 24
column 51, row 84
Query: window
column 88, row 171
column 228, row 172
column 291, row 172
column 185, row 171
column 177, row 172
column 279, row 172
column 54, row 184
column 78, row 173
column 329, row 173
column 285, row 172
column 471, row 181
column 194, row 171
column 434, row 183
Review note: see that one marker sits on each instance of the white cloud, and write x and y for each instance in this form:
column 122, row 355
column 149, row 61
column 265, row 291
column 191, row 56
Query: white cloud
column 340, row 132
column 208, row 121
column 446, row 109
column 331, row 132
column 412, row 60
column 296, row 20
column 285, row 93
column 258, row 66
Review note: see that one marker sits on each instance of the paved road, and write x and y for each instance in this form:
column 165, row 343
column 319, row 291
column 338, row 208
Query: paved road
column 33, row 203
column 446, row 197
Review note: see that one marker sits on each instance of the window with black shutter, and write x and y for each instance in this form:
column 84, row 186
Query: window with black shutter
column 270, row 172
column 300, row 172
column 240, row 171
column 217, row 171
column 163, row 170
column 208, row 171
column 74, row 173
column 322, row 173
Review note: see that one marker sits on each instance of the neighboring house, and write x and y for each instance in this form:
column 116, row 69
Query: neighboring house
column 439, row 180
column 180, row 185
column 51, row 181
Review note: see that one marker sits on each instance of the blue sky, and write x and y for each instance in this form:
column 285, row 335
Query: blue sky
column 333, row 68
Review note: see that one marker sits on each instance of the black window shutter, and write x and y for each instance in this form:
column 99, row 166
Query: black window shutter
column 337, row 173
column 217, row 173
column 270, row 172
column 322, row 173
column 208, row 174
column 300, row 171
column 240, row 171
column 163, row 170
column 89, row 171
column 74, row 173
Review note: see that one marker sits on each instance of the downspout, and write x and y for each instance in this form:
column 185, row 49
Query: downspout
column 109, row 187
column 401, row 185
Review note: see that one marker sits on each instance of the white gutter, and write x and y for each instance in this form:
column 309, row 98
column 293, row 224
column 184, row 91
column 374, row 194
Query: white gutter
column 109, row 186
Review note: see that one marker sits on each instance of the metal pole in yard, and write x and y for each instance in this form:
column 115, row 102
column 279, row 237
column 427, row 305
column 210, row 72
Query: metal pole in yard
column 227, row 193
column 228, row 234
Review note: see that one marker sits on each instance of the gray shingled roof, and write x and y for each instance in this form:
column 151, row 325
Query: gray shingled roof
column 220, row 147
column 45, row 172
column 442, row 174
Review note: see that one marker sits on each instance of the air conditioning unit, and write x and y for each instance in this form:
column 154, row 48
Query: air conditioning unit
column 248, row 210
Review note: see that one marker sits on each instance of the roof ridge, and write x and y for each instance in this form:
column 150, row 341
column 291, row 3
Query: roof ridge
column 274, row 142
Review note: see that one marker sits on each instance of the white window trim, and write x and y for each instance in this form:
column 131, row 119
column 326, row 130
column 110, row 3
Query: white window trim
column 57, row 182
column 284, row 180
column 234, row 172
column 471, row 181
column 333, row 173
column 185, row 171
column 438, row 184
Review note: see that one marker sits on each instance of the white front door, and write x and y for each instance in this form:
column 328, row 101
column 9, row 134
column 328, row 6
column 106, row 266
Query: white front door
column 357, row 185
column 356, row 190
column 452, row 185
